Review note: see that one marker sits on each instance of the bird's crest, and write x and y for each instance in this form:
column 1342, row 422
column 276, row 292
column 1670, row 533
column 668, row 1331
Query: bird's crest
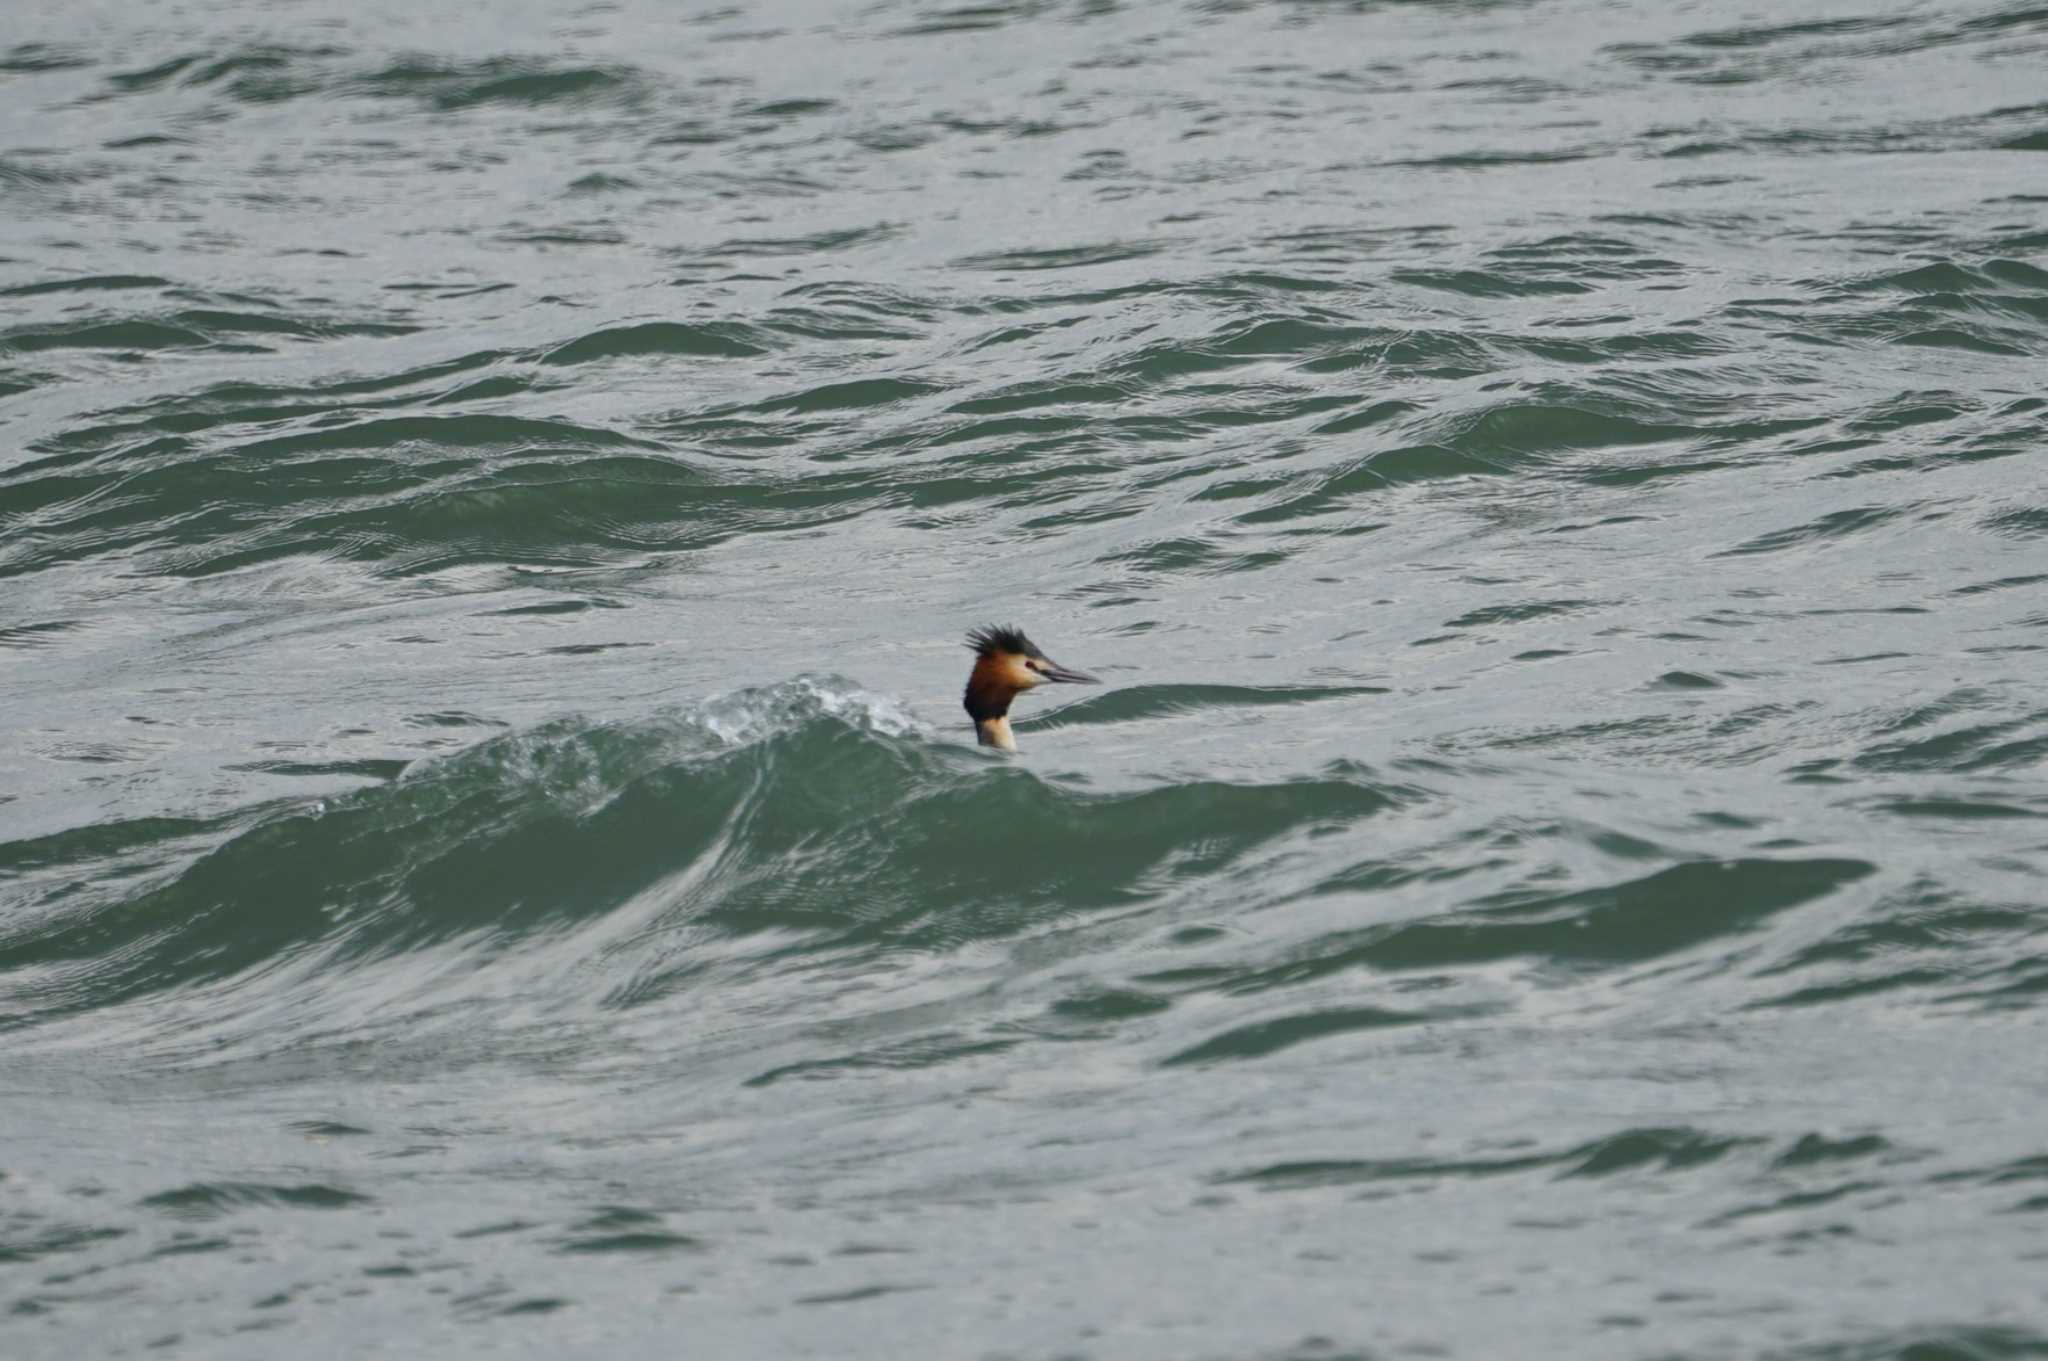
column 991, row 639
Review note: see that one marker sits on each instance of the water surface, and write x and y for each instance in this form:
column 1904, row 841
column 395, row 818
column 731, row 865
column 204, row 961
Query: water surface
column 491, row 861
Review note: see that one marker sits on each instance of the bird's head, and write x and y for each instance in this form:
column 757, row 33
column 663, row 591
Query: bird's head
column 1006, row 663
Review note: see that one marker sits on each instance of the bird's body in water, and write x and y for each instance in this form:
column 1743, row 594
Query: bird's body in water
column 1006, row 663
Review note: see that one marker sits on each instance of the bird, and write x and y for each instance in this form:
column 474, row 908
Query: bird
column 1006, row 663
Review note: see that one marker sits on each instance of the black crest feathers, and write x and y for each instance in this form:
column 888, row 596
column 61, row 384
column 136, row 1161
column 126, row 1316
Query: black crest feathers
column 993, row 638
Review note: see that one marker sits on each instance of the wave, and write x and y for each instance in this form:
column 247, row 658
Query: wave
column 809, row 816
column 466, row 460
column 730, row 856
column 1129, row 702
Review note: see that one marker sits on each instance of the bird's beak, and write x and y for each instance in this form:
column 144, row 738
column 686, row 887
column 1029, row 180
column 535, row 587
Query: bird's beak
column 1055, row 672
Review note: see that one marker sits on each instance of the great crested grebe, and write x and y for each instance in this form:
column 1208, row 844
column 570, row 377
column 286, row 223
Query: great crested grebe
column 1006, row 662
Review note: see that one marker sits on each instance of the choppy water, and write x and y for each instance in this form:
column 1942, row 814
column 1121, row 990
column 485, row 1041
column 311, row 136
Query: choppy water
column 490, row 857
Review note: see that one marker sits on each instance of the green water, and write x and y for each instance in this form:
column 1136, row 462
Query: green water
column 491, row 858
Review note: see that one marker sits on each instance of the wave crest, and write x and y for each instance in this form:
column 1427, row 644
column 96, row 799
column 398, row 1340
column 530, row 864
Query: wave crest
column 586, row 867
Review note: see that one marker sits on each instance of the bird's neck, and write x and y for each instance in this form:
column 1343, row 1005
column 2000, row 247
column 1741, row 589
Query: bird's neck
column 995, row 732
